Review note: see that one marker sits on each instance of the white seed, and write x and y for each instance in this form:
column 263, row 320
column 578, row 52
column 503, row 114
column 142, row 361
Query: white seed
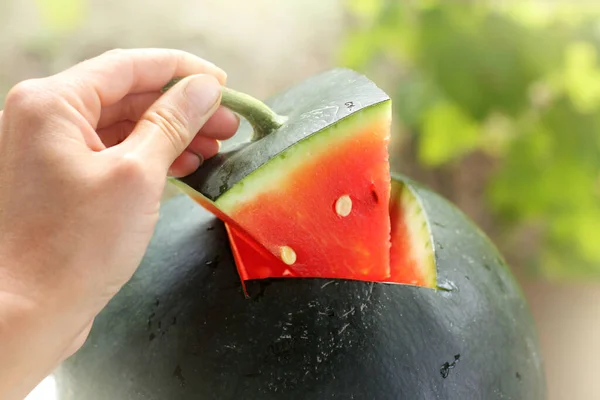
column 288, row 255
column 343, row 206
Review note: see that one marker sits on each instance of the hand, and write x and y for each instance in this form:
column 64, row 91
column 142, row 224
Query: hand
column 84, row 157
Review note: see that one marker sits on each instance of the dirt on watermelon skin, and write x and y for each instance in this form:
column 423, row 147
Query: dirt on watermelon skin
column 412, row 258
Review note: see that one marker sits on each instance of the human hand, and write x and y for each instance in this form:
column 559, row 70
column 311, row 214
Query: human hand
column 84, row 157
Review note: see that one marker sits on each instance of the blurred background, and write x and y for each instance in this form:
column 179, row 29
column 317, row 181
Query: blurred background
column 496, row 106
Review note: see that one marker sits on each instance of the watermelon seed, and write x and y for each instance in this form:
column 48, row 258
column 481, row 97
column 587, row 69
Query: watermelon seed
column 375, row 196
column 343, row 206
column 288, row 255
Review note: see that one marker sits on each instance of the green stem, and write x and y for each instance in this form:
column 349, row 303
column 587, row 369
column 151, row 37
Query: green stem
column 262, row 118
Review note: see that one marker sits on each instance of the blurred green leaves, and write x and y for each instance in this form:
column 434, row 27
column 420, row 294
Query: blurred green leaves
column 438, row 143
column 61, row 16
column 582, row 76
column 519, row 81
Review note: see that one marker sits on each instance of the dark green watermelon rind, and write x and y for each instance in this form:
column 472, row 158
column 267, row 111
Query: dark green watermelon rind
column 459, row 241
column 437, row 230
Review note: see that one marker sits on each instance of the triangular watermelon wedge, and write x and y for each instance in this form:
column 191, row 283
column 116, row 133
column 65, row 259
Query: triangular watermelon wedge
column 320, row 207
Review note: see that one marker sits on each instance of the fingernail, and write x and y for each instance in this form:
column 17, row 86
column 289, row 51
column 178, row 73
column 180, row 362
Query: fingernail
column 202, row 92
column 200, row 157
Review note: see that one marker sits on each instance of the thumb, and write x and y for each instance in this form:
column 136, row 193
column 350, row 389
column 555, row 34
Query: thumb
column 170, row 124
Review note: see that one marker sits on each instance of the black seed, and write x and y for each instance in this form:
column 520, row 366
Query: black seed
column 375, row 195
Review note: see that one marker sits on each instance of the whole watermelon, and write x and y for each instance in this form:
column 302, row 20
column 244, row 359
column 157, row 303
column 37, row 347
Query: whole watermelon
column 183, row 329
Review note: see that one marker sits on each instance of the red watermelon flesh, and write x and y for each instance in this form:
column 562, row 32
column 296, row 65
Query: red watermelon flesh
column 300, row 216
column 412, row 258
column 411, row 253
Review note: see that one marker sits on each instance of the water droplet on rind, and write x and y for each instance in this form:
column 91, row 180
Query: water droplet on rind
column 446, row 286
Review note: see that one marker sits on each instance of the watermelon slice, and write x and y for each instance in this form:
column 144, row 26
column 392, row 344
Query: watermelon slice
column 320, row 208
column 412, row 258
column 304, row 187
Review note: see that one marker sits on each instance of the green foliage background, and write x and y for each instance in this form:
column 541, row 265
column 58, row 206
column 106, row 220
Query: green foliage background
column 518, row 81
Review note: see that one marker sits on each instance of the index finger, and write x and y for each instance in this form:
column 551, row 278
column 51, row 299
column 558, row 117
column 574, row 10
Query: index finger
column 104, row 80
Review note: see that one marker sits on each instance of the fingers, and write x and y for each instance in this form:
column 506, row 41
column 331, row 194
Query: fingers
column 204, row 146
column 221, row 125
column 116, row 133
column 104, row 80
column 201, row 148
column 185, row 164
column 168, row 127
column 130, row 108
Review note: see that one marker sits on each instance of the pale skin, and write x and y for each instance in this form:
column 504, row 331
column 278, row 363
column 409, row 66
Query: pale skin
column 84, row 157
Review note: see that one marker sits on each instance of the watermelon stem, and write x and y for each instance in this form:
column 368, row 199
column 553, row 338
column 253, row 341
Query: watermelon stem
column 262, row 118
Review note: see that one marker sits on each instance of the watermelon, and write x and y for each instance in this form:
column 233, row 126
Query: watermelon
column 182, row 329
column 318, row 204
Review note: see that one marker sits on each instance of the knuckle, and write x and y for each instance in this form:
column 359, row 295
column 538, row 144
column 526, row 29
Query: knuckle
column 114, row 52
column 22, row 92
column 172, row 123
column 27, row 96
column 130, row 167
column 129, row 172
